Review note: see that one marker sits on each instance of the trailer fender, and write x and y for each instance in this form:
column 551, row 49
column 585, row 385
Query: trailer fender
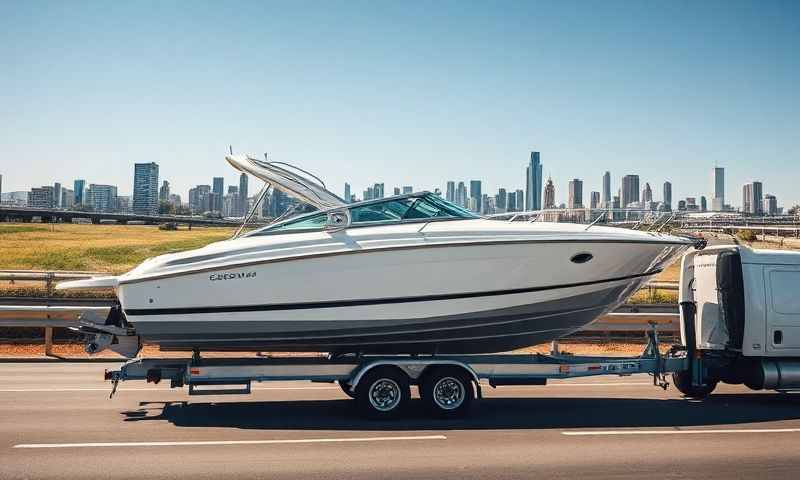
column 414, row 368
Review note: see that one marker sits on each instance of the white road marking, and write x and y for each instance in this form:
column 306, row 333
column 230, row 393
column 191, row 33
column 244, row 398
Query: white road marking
column 680, row 432
column 229, row 442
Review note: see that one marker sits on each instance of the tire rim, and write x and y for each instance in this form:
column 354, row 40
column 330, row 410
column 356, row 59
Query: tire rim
column 384, row 395
column 449, row 393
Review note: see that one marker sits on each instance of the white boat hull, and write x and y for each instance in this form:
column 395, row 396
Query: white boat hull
column 419, row 298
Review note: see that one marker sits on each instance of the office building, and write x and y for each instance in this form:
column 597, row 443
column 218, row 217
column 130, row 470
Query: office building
column 511, row 202
column 347, row 192
column 703, row 203
column 575, row 199
column 475, row 195
column 102, row 198
column 461, row 195
column 450, row 191
column 752, row 200
column 163, row 192
column 378, row 191
column 770, row 205
column 396, row 191
column 67, row 198
column 519, row 200
column 500, row 201
column 667, row 196
column 200, row 199
column 594, row 202
column 218, row 192
column 718, row 200
column 606, row 198
column 647, row 194
column 145, row 188
column 629, row 191
column 79, row 187
column 242, row 194
column 57, row 195
column 549, row 194
column 408, row 189
column 42, row 197
column 533, row 183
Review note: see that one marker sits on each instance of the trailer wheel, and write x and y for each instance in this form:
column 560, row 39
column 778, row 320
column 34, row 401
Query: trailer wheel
column 346, row 388
column 683, row 382
column 447, row 392
column 383, row 393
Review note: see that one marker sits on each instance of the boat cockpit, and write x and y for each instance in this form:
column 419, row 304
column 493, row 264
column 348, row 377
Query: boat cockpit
column 410, row 208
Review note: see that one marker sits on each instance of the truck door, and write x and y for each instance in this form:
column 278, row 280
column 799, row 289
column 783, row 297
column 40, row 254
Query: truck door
column 783, row 308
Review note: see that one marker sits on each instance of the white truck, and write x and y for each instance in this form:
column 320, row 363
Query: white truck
column 740, row 323
column 740, row 319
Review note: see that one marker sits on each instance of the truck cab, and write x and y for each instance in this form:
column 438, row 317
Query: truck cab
column 740, row 312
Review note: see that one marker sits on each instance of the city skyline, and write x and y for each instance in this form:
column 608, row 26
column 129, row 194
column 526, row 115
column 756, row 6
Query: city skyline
column 204, row 197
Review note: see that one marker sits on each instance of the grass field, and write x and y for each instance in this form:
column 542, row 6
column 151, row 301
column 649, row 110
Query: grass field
column 98, row 248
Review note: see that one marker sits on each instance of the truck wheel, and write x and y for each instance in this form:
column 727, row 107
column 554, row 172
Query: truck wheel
column 447, row 392
column 383, row 393
column 683, row 382
column 346, row 388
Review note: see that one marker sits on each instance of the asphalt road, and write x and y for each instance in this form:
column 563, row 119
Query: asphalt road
column 56, row 421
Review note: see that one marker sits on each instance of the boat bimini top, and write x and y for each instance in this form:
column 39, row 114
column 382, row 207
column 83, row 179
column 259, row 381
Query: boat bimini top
column 278, row 175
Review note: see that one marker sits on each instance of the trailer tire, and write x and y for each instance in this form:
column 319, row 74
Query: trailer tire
column 683, row 382
column 383, row 393
column 447, row 392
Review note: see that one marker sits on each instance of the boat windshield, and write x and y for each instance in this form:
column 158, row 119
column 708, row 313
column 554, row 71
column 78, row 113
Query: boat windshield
column 411, row 208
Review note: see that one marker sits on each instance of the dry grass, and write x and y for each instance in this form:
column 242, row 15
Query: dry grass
column 100, row 248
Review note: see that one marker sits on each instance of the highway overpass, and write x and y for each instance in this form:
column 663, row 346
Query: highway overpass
column 27, row 214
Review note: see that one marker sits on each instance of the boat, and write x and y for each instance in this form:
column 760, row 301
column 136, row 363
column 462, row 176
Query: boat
column 408, row 274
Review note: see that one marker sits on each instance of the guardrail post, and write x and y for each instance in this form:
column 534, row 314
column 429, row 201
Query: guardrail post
column 48, row 341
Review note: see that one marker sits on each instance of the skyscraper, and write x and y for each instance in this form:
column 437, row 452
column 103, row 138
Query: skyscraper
column 595, row 200
column 461, row 195
column 703, row 203
column 629, row 191
column 79, row 186
column 57, row 194
column 752, row 201
column 218, row 189
column 377, row 191
column 475, row 195
column 408, row 189
column 145, row 188
column 718, row 200
column 346, row 192
column 770, row 205
column 450, row 191
column 242, row 207
column 396, row 191
column 519, row 200
column 500, row 201
column 647, row 193
column 668, row 196
column 606, row 199
column 575, row 193
column 533, row 183
column 163, row 192
column 549, row 194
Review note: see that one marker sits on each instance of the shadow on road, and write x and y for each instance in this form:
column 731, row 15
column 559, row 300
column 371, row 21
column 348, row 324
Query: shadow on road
column 494, row 413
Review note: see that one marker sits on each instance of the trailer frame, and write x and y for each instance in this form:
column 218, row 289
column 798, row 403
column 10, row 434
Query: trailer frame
column 221, row 376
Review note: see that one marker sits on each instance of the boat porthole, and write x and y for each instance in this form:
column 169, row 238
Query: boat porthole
column 581, row 257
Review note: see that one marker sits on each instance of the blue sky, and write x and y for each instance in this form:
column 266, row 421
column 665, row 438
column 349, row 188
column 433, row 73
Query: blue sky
column 404, row 93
